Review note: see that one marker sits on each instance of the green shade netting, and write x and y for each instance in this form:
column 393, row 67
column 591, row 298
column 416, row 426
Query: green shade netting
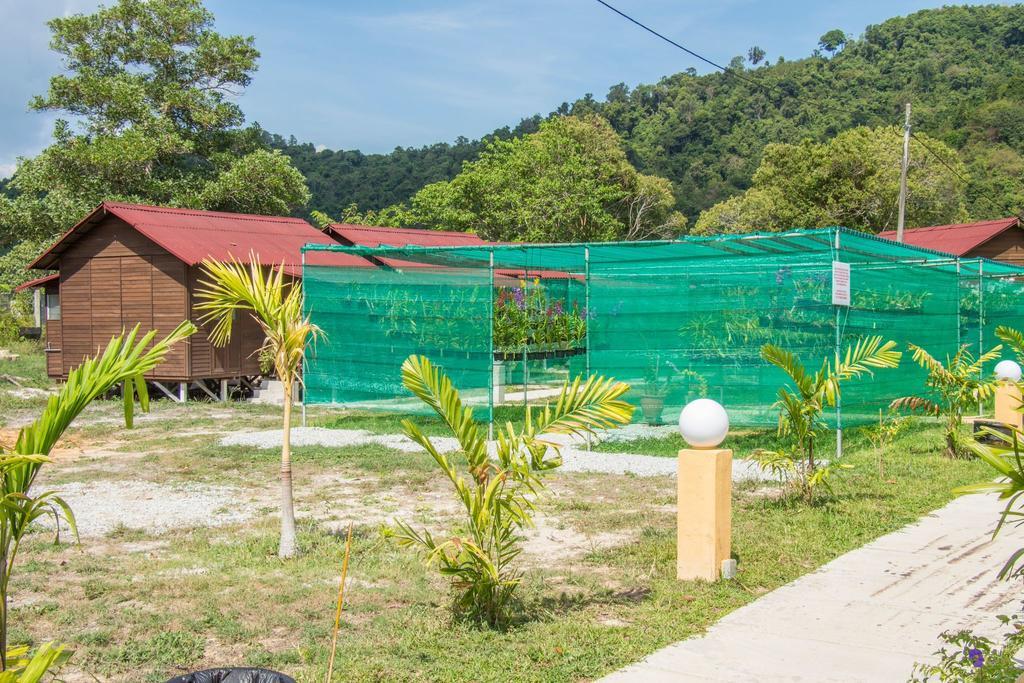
column 676, row 320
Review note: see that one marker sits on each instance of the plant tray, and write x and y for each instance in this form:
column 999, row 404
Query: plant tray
column 538, row 354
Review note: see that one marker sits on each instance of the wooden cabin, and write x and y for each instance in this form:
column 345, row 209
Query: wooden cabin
column 129, row 264
column 999, row 240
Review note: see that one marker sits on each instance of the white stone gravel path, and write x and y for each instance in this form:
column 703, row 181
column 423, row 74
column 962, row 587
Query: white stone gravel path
column 868, row 615
column 334, row 438
column 100, row 507
column 575, row 457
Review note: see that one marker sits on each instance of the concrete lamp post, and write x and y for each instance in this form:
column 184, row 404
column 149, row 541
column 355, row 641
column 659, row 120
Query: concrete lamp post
column 704, row 506
column 1008, row 396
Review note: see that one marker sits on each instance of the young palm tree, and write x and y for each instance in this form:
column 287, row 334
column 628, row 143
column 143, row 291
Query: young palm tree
column 955, row 387
column 123, row 362
column 801, row 408
column 276, row 305
column 497, row 494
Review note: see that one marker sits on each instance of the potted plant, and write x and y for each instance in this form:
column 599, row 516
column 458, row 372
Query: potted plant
column 655, row 387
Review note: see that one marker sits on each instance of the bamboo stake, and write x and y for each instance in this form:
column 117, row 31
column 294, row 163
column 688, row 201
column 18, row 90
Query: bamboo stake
column 341, row 602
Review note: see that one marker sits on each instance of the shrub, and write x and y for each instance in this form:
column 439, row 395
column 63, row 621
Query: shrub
column 966, row 656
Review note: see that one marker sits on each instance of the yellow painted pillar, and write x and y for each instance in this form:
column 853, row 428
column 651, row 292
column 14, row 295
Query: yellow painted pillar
column 704, row 509
column 1008, row 400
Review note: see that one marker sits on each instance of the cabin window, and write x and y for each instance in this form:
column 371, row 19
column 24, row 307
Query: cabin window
column 53, row 307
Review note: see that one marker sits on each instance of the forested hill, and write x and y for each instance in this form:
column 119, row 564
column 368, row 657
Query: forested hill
column 961, row 67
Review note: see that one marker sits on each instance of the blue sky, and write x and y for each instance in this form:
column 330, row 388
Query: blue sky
column 378, row 74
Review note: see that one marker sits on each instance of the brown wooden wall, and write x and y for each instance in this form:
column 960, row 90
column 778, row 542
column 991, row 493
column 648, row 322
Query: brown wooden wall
column 114, row 278
column 238, row 357
column 1007, row 247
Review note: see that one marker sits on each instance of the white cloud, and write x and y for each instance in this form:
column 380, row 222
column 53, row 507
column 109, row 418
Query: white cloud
column 432, row 21
column 7, row 170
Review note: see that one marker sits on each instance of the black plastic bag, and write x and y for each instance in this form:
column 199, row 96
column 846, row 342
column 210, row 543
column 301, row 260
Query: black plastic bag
column 233, row 676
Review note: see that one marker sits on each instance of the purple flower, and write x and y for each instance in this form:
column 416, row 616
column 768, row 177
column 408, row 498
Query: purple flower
column 557, row 308
column 519, row 297
column 977, row 657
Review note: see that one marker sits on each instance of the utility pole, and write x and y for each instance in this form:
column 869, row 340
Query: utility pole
column 903, row 176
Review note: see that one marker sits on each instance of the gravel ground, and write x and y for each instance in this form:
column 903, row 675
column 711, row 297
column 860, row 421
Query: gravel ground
column 574, row 458
column 334, row 438
column 102, row 506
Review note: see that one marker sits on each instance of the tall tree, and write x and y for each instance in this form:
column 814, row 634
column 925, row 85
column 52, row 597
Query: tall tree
column 150, row 86
column 851, row 180
column 568, row 182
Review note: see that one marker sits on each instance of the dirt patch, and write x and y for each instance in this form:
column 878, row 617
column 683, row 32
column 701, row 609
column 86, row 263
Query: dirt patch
column 552, row 541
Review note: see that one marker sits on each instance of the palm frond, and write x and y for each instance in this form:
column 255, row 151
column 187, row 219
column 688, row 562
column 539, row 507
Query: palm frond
column 26, row 667
column 124, row 360
column 934, row 367
column 791, row 365
column 428, row 383
column 583, row 408
column 991, row 355
column 916, row 404
column 867, row 354
column 1012, row 338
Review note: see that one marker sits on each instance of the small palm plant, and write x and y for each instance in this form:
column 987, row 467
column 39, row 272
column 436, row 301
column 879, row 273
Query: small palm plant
column 801, row 407
column 275, row 303
column 124, row 362
column 956, row 386
column 498, row 495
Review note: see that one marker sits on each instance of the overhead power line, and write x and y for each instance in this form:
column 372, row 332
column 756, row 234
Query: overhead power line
column 725, row 69
column 952, row 169
column 735, row 74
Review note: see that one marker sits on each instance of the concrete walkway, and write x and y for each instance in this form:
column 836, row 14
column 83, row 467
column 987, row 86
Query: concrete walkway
column 866, row 616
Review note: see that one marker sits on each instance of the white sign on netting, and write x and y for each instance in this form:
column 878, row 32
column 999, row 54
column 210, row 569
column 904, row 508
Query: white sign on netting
column 840, row 283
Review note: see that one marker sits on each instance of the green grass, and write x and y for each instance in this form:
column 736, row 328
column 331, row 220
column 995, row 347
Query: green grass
column 221, row 596
column 28, row 370
column 30, row 366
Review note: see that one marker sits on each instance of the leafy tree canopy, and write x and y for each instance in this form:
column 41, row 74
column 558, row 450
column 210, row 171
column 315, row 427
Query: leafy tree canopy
column 851, row 180
column 568, row 182
column 832, row 40
column 148, row 87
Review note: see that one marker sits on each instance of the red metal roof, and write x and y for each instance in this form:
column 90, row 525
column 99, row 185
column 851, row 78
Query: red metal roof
column 38, row 282
column 957, row 239
column 193, row 235
column 373, row 236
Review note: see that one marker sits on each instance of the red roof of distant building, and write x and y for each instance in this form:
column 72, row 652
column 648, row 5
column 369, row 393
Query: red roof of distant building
column 957, row 239
column 38, row 282
column 193, row 235
column 373, row 236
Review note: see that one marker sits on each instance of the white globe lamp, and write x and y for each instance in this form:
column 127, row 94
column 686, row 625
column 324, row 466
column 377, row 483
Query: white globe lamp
column 704, row 423
column 1008, row 370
